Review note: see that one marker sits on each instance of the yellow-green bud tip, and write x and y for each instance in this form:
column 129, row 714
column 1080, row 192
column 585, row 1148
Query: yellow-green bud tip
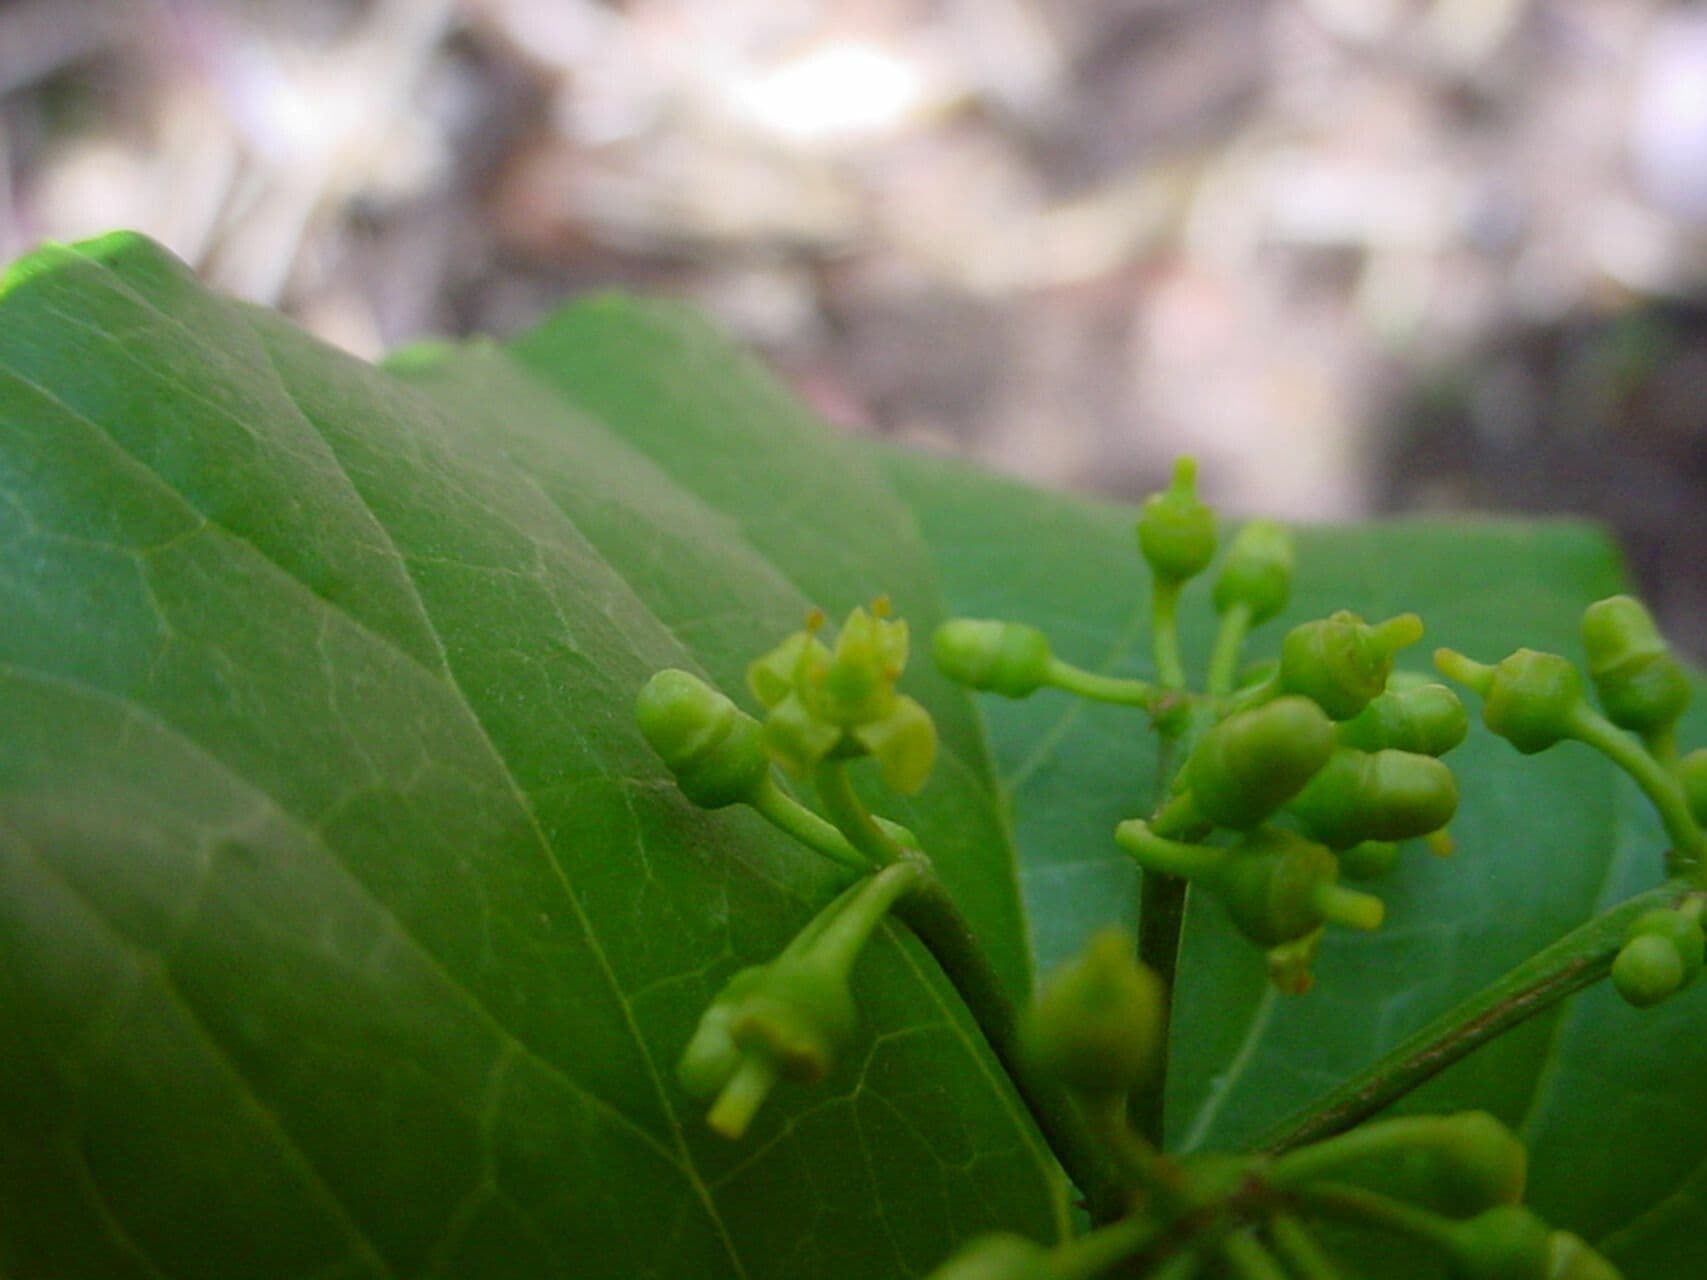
column 1349, row 907
column 1466, row 671
column 1397, row 633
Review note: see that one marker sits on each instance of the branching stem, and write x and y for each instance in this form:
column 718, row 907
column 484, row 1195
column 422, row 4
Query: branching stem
column 851, row 817
column 786, row 813
column 1576, row 960
column 1661, row 787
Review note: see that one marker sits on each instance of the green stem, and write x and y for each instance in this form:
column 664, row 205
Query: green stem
column 1248, row 1259
column 820, row 923
column 851, row 817
column 845, row 936
column 1580, row 958
column 1091, row 1255
column 1161, row 918
column 1229, row 641
column 1661, row 787
column 1300, row 1250
column 1167, row 858
column 937, row 921
column 1369, row 1208
column 786, row 813
column 1164, row 601
column 1099, row 688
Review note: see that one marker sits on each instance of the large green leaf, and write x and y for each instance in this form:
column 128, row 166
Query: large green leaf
column 1613, row 1101
column 347, row 927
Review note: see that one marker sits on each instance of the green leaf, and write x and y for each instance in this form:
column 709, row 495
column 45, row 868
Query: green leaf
column 1613, row 1100
column 347, row 926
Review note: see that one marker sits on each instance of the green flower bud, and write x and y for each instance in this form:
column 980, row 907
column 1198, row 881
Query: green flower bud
column 798, row 1015
column 1681, row 929
column 1479, row 1163
column 1381, row 795
column 1278, row 887
column 1531, row 699
column 1428, row 719
column 1257, row 572
column 1008, row 658
column 1251, row 763
column 715, row 750
column 712, row 1056
column 1640, row 685
column 1176, row 532
column 1097, row 1024
column 1662, row 954
column 1647, row 970
column 997, row 1257
column 784, row 1020
column 1458, row 1165
column 1369, row 859
column 1506, row 1243
column 1571, row 1259
column 1341, row 661
column 1692, row 772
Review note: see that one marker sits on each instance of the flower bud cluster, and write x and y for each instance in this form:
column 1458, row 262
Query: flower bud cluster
column 1310, row 792
column 791, row 1018
column 1537, row 700
column 840, row 701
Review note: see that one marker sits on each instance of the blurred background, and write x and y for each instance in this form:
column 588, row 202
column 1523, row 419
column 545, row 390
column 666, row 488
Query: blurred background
column 1360, row 256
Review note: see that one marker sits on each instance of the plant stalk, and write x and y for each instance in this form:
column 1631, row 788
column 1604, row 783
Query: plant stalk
column 1575, row 961
column 851, row 817
column 788, row 815
column 1164, row 601
column 1662, row 789
column 1161, row 917
column 1229, row 642
column 1100, row 688
column 937, row 921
